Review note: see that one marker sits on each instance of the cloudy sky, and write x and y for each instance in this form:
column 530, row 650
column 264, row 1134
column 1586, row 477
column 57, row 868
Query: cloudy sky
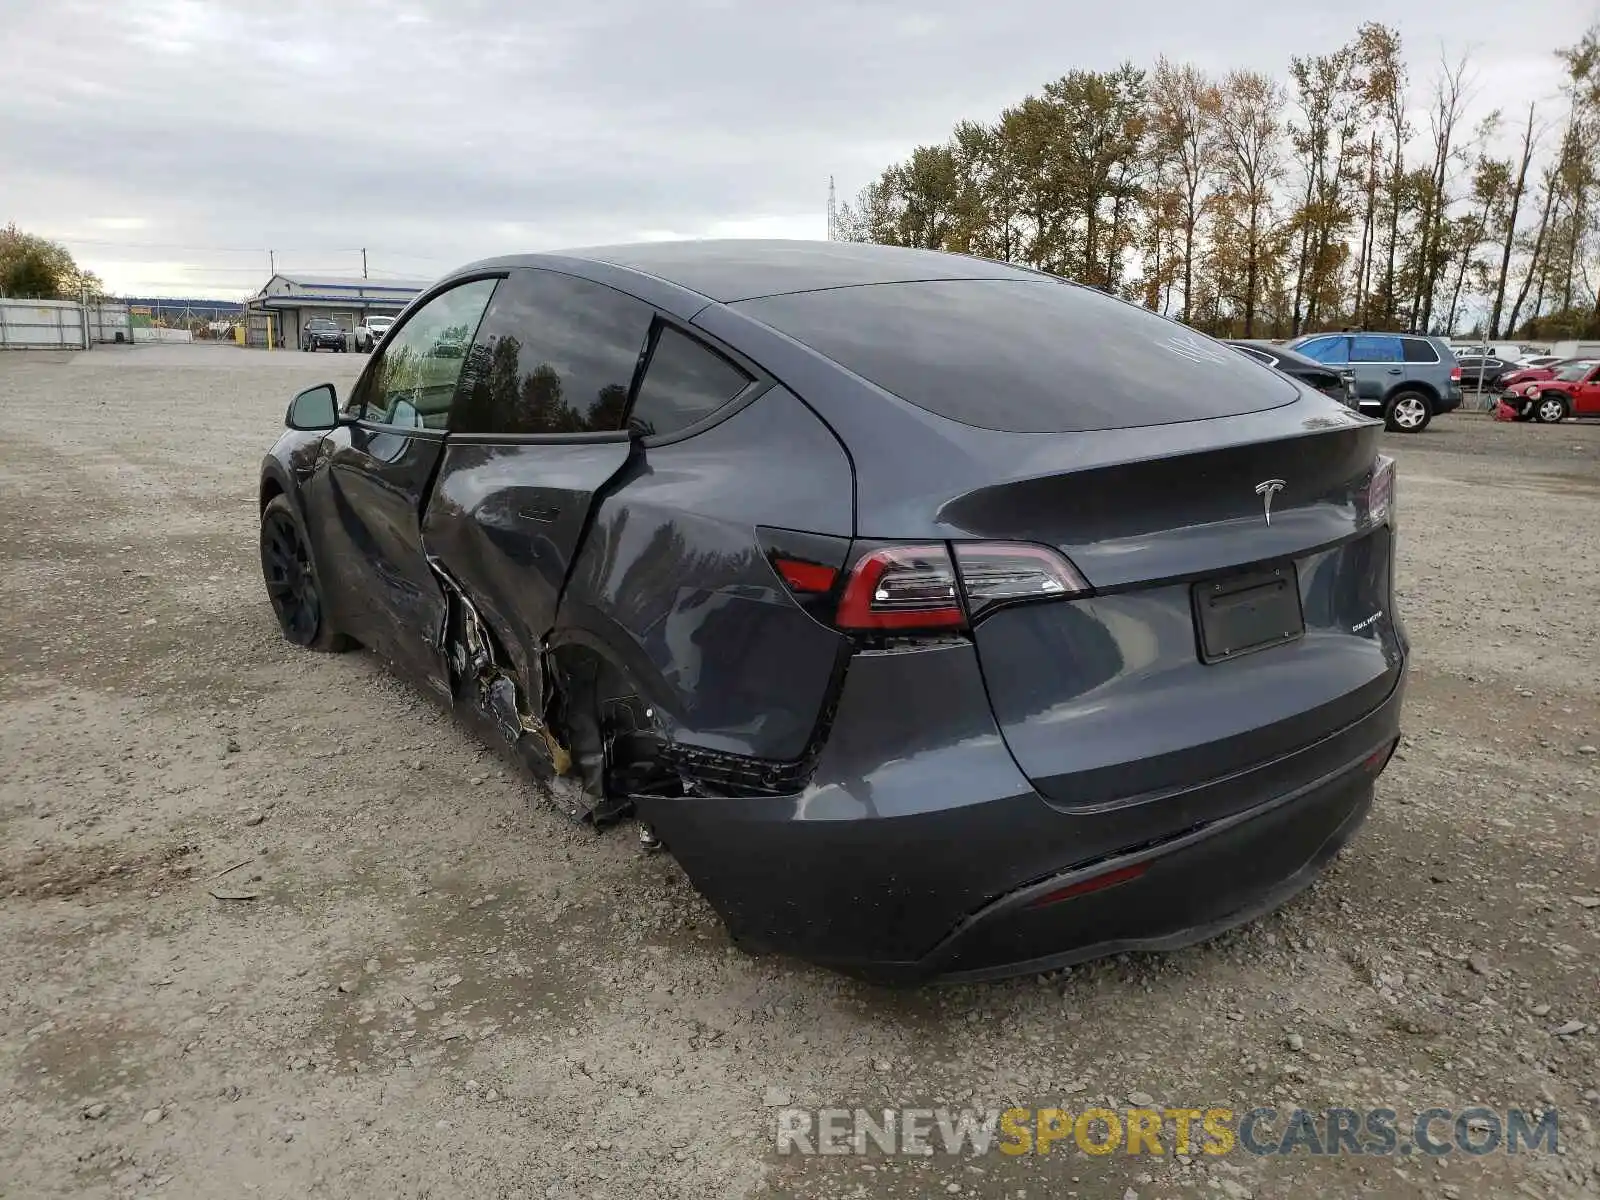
column 171, row 143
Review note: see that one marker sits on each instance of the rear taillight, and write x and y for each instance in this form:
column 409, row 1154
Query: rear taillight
column 909, row 588
column 902, row 587
column 808, row 577
column 995, row 573
column 1455, row 374
column 1380, row 491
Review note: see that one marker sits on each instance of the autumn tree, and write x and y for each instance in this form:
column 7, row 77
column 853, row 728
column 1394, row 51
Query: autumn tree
column 39, row 269
column 1503, row 218
column 1181, row 102
column 1461, row 239
column 1383, row 97
column 1323, row 140
column 1434, row 200
column 1246, row 130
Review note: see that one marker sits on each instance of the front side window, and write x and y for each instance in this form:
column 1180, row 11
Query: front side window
column 684, row 383
column 555, row 354
column 415, row 377
column 1330, row 350
column 1371, row 348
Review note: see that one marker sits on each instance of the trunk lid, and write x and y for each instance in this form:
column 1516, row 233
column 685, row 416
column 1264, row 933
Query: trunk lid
column 1130, row 700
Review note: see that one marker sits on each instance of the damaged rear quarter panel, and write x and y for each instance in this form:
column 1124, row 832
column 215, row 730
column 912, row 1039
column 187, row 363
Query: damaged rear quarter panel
column 672, row 585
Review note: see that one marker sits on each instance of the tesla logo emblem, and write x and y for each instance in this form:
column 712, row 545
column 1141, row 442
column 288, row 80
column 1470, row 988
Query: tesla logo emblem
column 1267, row 489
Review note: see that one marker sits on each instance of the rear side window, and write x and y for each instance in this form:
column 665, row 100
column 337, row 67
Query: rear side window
column 1333, row 351
column 1419, row 350
column 1370, row 348
column 1023, row 355
column 684, row 383
column 555, row 354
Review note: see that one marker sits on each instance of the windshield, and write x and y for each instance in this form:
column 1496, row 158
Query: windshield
column 379, row 322
column 1573, row 372
column 322, row 323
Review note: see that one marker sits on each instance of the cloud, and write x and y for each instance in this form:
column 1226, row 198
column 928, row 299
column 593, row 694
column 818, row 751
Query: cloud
column 434, row 132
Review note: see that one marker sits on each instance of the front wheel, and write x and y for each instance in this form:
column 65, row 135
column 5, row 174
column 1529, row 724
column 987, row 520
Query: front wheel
column 1549, row 409
column 292, row 583
column 1408, row 412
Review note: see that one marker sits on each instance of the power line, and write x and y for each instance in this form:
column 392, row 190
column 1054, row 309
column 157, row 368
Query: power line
column 119, row 242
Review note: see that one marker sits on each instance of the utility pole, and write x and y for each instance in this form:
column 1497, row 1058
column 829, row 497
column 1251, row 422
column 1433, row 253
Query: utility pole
column 833, row 213
column 363, row 262
column 272, row 263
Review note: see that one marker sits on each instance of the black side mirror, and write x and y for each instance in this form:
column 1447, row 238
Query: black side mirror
column 314, row 409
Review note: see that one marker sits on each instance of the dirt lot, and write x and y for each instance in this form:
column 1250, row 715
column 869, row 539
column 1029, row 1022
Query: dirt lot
column 440, row 988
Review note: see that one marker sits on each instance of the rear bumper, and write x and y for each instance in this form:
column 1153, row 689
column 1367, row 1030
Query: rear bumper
column 919, row 850
column 1190, row 888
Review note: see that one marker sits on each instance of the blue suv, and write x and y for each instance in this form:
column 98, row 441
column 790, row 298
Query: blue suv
column 1406, row 377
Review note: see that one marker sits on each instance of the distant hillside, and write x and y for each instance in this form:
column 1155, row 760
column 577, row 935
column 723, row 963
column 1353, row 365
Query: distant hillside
column 168, row 303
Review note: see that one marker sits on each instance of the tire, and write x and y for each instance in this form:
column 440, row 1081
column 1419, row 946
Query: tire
column 1407, row 412
column 1549, row 408
column 291, row 581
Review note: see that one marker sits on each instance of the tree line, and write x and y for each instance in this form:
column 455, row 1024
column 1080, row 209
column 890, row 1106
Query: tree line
column 1248, row 206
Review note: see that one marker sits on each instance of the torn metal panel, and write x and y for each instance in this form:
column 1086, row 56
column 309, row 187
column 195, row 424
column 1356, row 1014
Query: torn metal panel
column 478, row 677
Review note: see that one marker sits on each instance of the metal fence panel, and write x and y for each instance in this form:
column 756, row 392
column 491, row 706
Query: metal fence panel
column 41, row 325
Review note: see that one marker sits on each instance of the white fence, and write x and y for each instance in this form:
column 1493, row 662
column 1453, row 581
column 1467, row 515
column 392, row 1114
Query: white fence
column 147, row 333
column 67, row 325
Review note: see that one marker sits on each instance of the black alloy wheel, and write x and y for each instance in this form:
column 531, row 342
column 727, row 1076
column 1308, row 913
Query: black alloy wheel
column 291, row 581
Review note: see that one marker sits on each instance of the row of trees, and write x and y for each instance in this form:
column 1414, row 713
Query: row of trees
column 1248, row 206
column 36, row 268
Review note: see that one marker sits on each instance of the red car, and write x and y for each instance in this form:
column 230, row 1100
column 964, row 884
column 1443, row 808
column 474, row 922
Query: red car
column 1573, row 390
column 1532, row 373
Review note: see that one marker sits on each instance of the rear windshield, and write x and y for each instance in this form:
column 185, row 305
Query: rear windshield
column 1025, row 356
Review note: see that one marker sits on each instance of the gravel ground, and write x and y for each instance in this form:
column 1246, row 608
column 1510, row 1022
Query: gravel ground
column 415, row 980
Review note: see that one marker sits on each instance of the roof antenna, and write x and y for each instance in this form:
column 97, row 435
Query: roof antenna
column 833, row 213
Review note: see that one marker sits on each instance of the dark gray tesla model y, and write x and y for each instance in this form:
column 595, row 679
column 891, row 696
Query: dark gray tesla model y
column 942, row 618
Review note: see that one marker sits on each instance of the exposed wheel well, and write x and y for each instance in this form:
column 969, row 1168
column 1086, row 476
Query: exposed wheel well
column 270, row 488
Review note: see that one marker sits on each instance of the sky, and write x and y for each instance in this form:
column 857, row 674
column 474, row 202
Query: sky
column 170, row 144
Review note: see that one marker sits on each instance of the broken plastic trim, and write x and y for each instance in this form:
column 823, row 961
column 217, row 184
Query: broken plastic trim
column 615, row 743
column 478, row 676
column 721, row 773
